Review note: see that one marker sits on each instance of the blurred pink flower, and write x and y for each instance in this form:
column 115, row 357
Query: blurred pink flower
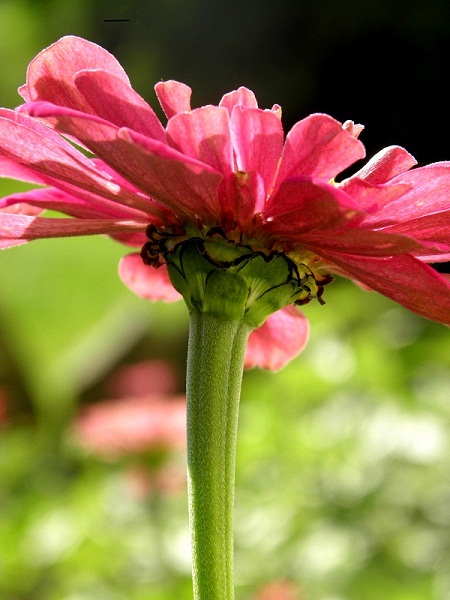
column 144, row 417
column 146, row 377
column 219, row 170
column 3, row 406
column 279, row 590
column 133, row 425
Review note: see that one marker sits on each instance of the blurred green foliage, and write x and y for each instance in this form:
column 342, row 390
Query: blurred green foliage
column 343, row 482
column 343, row 465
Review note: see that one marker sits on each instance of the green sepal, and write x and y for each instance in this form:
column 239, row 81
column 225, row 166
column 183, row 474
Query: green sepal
column 271, row 286
column 230, row 280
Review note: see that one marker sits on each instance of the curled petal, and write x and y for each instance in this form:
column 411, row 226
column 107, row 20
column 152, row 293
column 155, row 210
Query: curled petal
column 174, row 97
column 146, row 281
column 372, row 197
column 280, row 339
column 114, row 100
column 428, row 192
column 385, row 165
column 241, row 97
column 318, row 146
column 51, row 75
column 354, row 128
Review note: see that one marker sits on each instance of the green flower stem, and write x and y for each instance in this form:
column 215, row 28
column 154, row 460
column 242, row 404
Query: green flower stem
column 214, row 375
column 229, row 290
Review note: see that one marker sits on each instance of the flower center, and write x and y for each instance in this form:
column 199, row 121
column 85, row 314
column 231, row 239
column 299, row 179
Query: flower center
column 219, row 275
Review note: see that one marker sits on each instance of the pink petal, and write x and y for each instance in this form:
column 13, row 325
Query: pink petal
column 357, row 241
column 246, row 199
column 19, row 207
column 51, row 75
column 184, row 185
column 80, row 204
column 428, row 193
column 403, row 278
column 203, row 134
column 302, row 205
column 385, row 165
column 146, row 281
column 19, row 117
column 34, row 146
column 154, row 208
column 114, row 100
column 174, row 97
column 352, row 128
column 280, row 339
column 372, row 197
column 318, row 146
column 15, row 227
column 276, row 109
column 12, row 170
column 10, row 243
column 432, row 228
column 258, row 141
column 241, row 97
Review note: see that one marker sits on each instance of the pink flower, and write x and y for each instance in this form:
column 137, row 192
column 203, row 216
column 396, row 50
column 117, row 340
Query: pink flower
column 219, row 170
column 279, row 590
column 3, row 406
column 142, row 378
column 145, row 416
column 133, row 425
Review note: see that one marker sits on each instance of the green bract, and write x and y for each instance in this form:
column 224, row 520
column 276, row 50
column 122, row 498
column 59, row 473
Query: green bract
column 223, row 278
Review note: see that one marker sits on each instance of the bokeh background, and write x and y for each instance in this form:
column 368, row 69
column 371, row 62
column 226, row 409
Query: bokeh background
column 343, row 475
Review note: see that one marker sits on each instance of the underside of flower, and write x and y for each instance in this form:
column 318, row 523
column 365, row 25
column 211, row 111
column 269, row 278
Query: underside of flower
column 221, row 276
column 227, row 176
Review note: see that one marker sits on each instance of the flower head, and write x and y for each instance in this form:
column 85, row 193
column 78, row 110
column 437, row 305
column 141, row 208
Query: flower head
column 278, row 590
column 133, row 425
column 226, row 177
column 143, row 426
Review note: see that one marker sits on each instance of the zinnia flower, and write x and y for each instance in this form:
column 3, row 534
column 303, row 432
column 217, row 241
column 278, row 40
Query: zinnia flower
column 144, row 417
column 133, row 424
column 278, row 590
column 225, row 172
column 3, row 406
